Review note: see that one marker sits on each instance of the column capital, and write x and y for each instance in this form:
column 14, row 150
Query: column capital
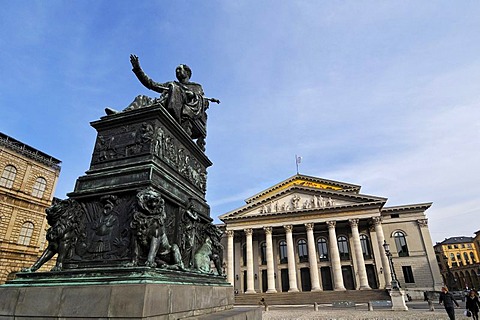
column 377, row 220
column 268, row 230
column 331, row 224
column 230, row 233
column 309, row 226
column 288, row 228
column 353, row 223
column 422, row 223
column 248, row 231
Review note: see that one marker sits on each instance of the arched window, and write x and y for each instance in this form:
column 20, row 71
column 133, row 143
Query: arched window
column 465, row 256
column 459, row 259
column 452, row 257
column 472, row 256
column 302, row 250
column 401, row 243
column 8, row 176
column 39, row 187
column 343, row 248
column 244, row 254
column 322, row 247
column 263, row 253
column 25, row 233
column 365, row 243
column 282, row 246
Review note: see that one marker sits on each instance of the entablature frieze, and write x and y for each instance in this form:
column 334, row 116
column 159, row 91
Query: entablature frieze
column 298, row 223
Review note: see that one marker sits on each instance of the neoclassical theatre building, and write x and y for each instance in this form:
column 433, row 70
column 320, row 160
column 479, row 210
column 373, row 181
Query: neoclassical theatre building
column 313, row 234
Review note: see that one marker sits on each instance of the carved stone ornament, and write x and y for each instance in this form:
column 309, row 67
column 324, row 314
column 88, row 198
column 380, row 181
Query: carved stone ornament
column 248, row 232
column 377, row 220
column 309, row 226
column 422, row 223
column 288, row 228
column 268, row 230
column 353, row 223
column 331, row 224
column 230, row 233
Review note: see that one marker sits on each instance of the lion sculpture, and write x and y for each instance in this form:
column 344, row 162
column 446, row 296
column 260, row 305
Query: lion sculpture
column 64, row 218
column 148, row 227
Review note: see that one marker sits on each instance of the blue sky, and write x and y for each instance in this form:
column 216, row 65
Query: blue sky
column 383, row 94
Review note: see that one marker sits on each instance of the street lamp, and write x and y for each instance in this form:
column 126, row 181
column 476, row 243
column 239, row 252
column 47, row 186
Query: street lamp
column 394, row 282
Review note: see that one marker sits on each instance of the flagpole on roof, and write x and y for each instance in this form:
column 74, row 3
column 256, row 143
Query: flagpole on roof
column 298, row 160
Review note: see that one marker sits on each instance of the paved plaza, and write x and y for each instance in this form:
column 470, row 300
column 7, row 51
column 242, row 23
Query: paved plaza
column 417, row 310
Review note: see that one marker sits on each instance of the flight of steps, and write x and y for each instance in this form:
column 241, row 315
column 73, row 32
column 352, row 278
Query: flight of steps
column 293, row 298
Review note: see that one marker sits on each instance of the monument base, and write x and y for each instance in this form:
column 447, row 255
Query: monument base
column 136, row 296
column 398, row 300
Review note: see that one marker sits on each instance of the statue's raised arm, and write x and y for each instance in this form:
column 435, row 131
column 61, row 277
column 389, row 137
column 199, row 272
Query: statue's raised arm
column 144, row 79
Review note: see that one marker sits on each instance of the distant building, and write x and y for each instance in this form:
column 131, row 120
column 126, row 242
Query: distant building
column 312, row 234
column 27, row 183
column 458, row 260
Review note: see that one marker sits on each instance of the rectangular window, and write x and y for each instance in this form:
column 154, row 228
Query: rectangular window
column 408, row 274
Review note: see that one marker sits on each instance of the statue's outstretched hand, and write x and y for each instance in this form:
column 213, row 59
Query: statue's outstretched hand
column 134, row 61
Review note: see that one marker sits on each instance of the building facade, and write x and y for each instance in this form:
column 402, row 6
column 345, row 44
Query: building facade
column 458, row 260
column 312, row 234
column 27, row 183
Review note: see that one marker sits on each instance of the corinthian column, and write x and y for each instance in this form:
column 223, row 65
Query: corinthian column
column 292, row 272
column 335, row 255
column 270, row 267
column 312, row 258
column 250, row 280
column 357, row 247
column 230, row 266
column 377, row 221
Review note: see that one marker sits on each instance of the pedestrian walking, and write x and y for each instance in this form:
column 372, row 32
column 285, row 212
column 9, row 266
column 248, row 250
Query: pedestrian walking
column 449, row 302
column 472, row 304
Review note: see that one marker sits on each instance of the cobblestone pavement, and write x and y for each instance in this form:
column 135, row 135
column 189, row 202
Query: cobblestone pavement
column 416, row 311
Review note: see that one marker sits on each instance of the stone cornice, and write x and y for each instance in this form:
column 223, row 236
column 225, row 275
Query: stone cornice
column 412, row 207
column 29, row 152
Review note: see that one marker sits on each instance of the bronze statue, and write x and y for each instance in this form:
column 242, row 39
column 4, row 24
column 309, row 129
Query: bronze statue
column 211, row 250
column 183, row 99
column 64, row 232
column 148, row 226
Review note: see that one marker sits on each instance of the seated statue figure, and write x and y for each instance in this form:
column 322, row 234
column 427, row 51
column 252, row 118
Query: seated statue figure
column 183, row 99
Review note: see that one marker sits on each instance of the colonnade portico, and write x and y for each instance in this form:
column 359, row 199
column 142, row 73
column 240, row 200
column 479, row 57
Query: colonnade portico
column 285, row 232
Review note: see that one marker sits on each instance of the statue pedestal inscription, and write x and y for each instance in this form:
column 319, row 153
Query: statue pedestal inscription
column 135, row 238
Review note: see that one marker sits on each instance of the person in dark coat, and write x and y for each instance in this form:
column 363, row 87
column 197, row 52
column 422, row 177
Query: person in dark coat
column 449, row 302
column 472, row 304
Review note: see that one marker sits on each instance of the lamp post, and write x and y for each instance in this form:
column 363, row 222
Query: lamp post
column 394, row 282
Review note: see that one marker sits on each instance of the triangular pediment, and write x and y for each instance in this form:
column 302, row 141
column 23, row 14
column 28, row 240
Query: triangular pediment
column 296, row 197
column 305, row 181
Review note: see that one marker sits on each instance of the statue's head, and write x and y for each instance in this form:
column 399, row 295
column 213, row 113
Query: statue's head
column 183, row 73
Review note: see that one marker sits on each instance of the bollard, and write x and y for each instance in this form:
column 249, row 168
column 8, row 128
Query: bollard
column 430, row 305
column 315, row 306
column 266, row 307
column 370, row 306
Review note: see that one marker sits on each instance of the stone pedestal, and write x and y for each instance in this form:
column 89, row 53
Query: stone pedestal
column 136, row 293
column 398, row 300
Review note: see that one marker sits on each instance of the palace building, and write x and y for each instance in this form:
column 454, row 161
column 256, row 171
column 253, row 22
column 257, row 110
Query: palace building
column 458, row 260
column 313, row 234
column 27, row 183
